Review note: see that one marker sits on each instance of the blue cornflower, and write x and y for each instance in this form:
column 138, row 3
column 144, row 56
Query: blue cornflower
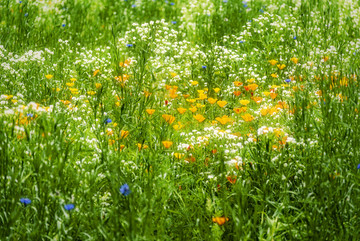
column 241, row 41
column 204, row 66
column 245, row 5
column 107, row 121
column 125, row 189
column 133, row 6
column 261, row 11
column 25, row 201
column 294, row 37
column 287, row 80
column 172, row 4
column 358, row 167
column 129, row 45
column 63, row 25
column 26, row 14
column 69, row 207
column 225, row 1
column 30, row 115
column 173, row 22
column 20, row 1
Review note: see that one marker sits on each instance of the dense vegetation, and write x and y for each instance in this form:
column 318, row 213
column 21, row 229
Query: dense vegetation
column 179, row 120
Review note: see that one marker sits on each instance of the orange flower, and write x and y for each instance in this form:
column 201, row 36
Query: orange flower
column 181, row 110
column 273, row 95
column 168, row 118
column 232, row 180
column 150, row 111
column 247, row 117
column 237, row 83
column 199, row 118
column 238, row 110
column 167, row 144
column 294, row 60
column 193, row 109
column 221, row 103
column 220, row 220
column 124, row 134
column 96, row 72
column 237, row 92
column 125, row 64
column 212, row 100
column 173, row 94
column 142, row 146
column 264, row 111
column 257, row 99
column 223, row 120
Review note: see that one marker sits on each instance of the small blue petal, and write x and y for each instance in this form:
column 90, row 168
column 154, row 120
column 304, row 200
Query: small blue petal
column 204, row 67
column 173, row 22
column 287, row 80
column 294, row 37
column 63, row 25
column 358, row 167
column 69, row 207
column 129, row 45
column 125, row 189
column 25, row 201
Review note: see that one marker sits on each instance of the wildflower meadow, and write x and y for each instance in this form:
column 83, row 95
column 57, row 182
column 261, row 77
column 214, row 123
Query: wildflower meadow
column 179, row 120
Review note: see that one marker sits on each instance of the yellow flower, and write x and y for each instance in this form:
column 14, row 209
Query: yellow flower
column 73, row 79
column 146, row 93
column 150, row 111
column 212, row 100
column 199, row 118
column 194, row 83
column 49, row 76
column 221, row 103
column 294, row 60
column 281, row 66
column 70, row 84
column 168, row 118
column 173, row 74
column 244, row 102
column 96, row 72
column 178, row 126
column 91, row 92
column 250, row 80
column 97, row 85
column 273, row 62
column 274, row 75
column 178, row 155
column 8, row 97
column 193, row 109
column 191, row 100
column 216, row 90
column 167, row 144
column 247, row 117
column 181, row 110
column 198, row 105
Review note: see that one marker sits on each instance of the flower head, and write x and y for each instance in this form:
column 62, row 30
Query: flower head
column 167, row 144
column 69, row 207
column 125, row 189
column 107, row 121
column 358, row 167
column 25, row 201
